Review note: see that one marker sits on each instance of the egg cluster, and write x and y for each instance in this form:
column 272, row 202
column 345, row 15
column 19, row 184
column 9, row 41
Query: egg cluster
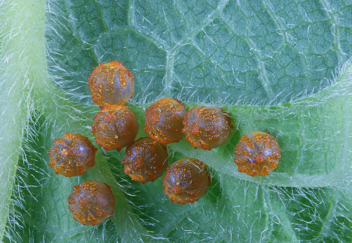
column 91, row 202
column 146, row 159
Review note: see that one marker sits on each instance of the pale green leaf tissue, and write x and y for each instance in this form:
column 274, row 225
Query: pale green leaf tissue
column 275, row 65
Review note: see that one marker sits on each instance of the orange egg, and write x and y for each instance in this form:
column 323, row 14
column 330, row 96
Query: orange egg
column 115, row 127
column 186, row 180
column 91, row 202
column 111, row 84
column 145, row 160
column 71, row 155
column 164, row 120
column 206, row 127
column 257, row 153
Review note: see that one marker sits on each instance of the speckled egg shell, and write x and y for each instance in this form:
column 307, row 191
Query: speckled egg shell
column 186, row 180
column 91, row 202
column 115, row 127
column 206, row 127
column 145, row 160
column 257, row 153
column 111, row 84
column 164, row 120
column 71, row 155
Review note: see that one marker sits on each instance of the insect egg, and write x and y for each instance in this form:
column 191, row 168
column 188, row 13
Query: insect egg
column 145, row 160
column 257, row 153
column 111, row 84
column 115, row 127
column 163, row 120
column 71, row 155
column 206, row 127
column 91, row 202
column 186, row 180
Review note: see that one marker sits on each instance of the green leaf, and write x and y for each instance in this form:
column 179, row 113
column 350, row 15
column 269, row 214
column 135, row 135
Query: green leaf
column 277, row 66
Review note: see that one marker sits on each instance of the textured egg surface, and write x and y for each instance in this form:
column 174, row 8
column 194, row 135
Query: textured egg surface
column 145, row 160
column 206, row 127
column 91, row 202
column 186, row 180
column 257, row 153
column 115, row 127
column 164, row 120
column 111, row 84
column 71, row 155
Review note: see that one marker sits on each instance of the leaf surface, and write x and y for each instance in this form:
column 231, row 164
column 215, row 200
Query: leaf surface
column 277, row 66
